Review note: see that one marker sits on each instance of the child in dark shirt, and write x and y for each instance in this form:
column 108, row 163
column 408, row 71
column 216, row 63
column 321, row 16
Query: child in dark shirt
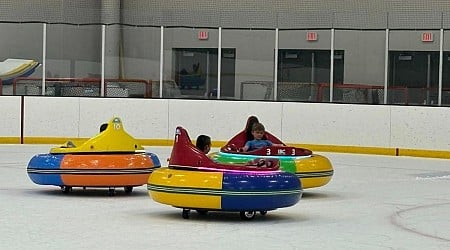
column 203, row 143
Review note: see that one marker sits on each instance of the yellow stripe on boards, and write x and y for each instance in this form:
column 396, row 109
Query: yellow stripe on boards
column 426, row 153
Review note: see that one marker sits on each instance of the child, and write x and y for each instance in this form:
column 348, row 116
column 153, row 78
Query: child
column 248, row 129
column 258, row 141
column 203, row 143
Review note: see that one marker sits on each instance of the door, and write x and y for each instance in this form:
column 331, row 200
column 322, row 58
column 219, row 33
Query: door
column 418, row 71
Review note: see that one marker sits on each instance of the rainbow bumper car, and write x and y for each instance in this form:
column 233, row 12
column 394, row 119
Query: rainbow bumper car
column 192, row 181
column 111, row 159
column 312, row 169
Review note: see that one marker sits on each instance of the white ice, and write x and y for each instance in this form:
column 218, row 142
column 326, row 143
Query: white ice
column 372, row 202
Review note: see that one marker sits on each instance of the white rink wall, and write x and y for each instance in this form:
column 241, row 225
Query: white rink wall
column 10, row 116
column 297, row 123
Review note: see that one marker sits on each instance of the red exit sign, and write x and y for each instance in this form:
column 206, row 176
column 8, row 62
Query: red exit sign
column 203, row 35
column 311, row 36
column 427, row 37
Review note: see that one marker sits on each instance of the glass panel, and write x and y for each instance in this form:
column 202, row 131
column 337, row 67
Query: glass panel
column 361, row 78
column 228, row 74
column 132, row 62
column 254, row 64
column 190, row 61
column 446, row 71
column 304, row 65
column 21, row 57
column 413, row 68
column 73, row 60
column 418, row 72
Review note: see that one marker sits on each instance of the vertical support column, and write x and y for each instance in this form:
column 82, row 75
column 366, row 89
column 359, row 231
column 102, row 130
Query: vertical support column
column 161, row 63
column 219, row 63
column 313, row 68
column 441, row 61
column 208, row 72
column 332, row 65
column 102, row 82
column 110, row 13
column 275, row 72
column 386, row 67
column 44, row 54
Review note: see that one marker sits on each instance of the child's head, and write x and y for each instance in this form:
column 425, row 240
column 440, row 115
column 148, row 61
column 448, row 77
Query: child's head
column 258, row 131
column 203, row 143
column 248, row 128
column 251, row 121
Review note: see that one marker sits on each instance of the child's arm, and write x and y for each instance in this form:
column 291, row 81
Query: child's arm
column 273, row 144
column 246, row 147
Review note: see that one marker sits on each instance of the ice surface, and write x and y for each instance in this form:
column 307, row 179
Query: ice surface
column 372, row 202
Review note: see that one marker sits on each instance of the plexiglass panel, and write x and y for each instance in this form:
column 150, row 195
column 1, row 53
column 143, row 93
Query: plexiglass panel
column 445, row 92
column 21, row 56
column 254, row 64
column 73, row 52
column 359, row 76
column 132, row 62
column 413, row 68
column 304, row 65
column 190, row 62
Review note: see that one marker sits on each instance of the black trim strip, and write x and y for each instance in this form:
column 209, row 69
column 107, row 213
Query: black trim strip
column 90, row 171
column 315, row 174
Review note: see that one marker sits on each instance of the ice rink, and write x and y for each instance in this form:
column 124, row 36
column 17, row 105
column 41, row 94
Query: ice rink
column 372, row 202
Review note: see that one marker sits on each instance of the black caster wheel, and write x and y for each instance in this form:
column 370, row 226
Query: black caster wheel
column 263, row 212
column 202, row 211
column 128, row 189
column 66, row 189
column 185, row 213
column 248, row 215
column 111, row 192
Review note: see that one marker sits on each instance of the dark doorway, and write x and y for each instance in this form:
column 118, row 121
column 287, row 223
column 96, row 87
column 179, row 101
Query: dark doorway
column 417, row 72
column 301, row 71
column 309, row 66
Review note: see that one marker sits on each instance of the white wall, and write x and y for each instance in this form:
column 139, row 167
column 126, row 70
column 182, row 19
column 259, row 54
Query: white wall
column 337, row 124
column 419, row 126
column 10, row 116
column 301, row 123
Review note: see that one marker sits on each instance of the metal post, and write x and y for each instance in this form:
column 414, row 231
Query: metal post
column 161, row 63
column 219, row 62
column 44, row 52
column 386, row 67
column 102, row 86
column 441, row 61
column 332, row 65
column 275, row 72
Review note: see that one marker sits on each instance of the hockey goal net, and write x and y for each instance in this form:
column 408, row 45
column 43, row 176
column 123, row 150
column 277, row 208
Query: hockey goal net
column 362, row 94
column 83, row 87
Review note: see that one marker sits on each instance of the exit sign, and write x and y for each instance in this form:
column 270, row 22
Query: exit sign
column 427, row 37
column 311, row 36
column 203, row 35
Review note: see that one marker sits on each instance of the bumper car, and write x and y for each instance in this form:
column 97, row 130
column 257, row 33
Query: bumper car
column 111, row 159
column 312, row 169
column 192, row 181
